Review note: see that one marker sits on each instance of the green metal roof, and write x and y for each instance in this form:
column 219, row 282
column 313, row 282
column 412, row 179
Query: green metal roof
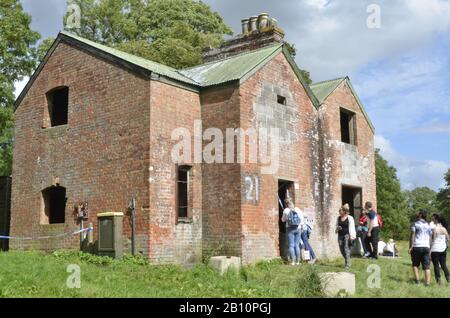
column 230, row 69
column 236, row 68
column 323, row 89
column 157, row 68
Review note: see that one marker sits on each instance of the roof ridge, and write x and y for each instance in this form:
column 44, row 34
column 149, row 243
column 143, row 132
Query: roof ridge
column 143, row 59
column 330, row 80
column 277, row 46
column 113, row 48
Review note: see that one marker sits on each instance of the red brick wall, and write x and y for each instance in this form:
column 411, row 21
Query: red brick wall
column 118, row 144
column 345, row 164
column 101, row 156
column 297, row 159
column 221, row 182
column 171, row 240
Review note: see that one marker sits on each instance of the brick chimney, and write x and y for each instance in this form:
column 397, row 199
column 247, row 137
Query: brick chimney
column 257, row 32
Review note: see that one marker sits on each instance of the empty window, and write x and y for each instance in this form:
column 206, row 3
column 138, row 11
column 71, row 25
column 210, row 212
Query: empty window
column 348, row 127
column 58, row 107
column 353, row 197
column 183, row 189
column 281, row 100
column 54, row 205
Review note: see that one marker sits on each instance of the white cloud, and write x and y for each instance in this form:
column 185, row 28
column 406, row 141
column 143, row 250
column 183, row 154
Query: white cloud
column 413, row 173
column 336, row 40
column 406, row 94
column 19, row 86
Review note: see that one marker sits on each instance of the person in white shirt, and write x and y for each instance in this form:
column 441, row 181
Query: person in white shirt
column 439, row 246
column 293, row 217
column 419, row 246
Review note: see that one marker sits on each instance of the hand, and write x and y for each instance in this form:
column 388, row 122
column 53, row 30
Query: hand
column 410, row 250
column 369, row 234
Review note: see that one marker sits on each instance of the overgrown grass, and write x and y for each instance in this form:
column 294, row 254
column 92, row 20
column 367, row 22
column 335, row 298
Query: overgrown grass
column 35, row 274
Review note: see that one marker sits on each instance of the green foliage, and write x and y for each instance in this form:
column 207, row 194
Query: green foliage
column 17, row 60
column 172, row 32
column 422, row 198
column 36, row 274
column 43, row 48
column 443, row 198
column 293, row 51
column 309, row 283
column 392, row 204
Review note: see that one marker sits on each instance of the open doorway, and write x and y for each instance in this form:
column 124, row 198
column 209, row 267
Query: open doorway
column 285, row 190
column 352, row 196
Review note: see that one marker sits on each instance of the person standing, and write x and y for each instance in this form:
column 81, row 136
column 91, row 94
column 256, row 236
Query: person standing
column 373, row 231
column 346, row 231
column 306, row 232
column 293, row 217
column 419, row 247
column 363, row 228
column 439, row 245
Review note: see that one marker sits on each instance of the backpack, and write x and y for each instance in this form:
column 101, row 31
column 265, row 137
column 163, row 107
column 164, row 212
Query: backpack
column 380, row 221
column 293, row 218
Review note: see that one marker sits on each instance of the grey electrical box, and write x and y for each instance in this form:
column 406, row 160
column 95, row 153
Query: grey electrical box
column 110, row 228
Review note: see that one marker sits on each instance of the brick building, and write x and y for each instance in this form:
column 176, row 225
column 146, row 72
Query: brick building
column 95, row 124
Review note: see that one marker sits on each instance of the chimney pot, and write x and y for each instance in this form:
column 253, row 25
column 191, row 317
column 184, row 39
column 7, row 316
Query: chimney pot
column 253, row 24
column 245, row 26
column 263, row 21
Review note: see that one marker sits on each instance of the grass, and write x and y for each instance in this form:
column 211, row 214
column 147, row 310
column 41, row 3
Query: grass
column 35, row 274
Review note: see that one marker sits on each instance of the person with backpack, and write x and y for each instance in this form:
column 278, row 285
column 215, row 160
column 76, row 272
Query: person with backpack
column 374, row 230
column 346, row 231
column 293, row 217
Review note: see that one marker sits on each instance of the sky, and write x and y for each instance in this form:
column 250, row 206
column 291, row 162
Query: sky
column 401, row 70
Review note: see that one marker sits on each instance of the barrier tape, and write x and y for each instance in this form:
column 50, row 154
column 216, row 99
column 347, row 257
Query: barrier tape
column 87, row 230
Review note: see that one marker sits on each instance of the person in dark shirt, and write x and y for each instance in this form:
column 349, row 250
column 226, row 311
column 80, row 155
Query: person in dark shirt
column 345, row 229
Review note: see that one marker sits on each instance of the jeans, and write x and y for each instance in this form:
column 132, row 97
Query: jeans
column 308, row 247
column 373, row 250
column 294, row 243
column 344, row 246
column 363, row 236
column 440, row 259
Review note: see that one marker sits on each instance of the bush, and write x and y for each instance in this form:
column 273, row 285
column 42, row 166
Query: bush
column 309, row 284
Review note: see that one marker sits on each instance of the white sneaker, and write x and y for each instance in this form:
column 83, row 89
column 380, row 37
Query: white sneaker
column 292, row 263
column 298, row 263
column 367, row 254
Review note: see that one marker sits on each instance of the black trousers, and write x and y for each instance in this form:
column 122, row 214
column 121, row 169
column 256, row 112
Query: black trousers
column 363, row 236
column 439, row 259
column 373, row 239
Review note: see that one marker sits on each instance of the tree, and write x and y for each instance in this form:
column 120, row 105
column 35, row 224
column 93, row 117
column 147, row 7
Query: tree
column 171, row 32
column 293, row 51
column 422, row 198
column 17, row 59
column 391, row 200
column 443, row 198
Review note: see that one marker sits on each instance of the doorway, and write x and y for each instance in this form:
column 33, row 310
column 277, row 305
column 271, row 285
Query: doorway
column 352, row 196
column 285, row 190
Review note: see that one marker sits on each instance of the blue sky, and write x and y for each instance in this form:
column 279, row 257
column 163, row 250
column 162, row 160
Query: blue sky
column 401, row 71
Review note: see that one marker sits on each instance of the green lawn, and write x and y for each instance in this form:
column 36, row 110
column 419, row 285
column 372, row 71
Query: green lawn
column 34, row 274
